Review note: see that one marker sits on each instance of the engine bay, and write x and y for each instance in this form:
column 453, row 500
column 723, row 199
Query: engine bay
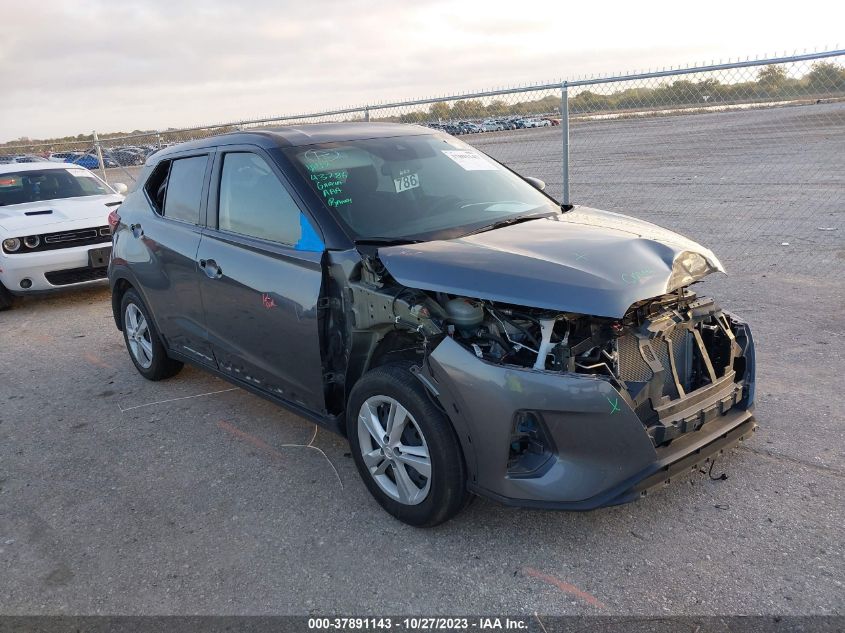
column 661, row 350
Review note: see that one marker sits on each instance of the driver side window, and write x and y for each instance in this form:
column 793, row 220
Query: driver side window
column 253, row 202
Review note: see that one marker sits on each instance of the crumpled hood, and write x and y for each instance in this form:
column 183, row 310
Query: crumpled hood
column 91, row 209
column 585, row 261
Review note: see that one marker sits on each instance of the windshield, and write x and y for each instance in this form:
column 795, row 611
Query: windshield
column 19, row 187
column 414, row 187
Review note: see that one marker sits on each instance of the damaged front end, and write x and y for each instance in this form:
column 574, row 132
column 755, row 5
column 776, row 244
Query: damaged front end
column 681, row 362
column 566, row 410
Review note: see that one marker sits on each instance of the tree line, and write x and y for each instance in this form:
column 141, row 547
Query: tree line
column 771, row 83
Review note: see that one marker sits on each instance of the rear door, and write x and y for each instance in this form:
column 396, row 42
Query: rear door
column 262, row 275
column 165, row 258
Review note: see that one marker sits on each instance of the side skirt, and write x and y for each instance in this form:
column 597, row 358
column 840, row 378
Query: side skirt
column 335, row 424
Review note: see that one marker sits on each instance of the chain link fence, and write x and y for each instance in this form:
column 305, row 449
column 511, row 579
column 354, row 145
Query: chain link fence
column 747, row 157
column 749, row 160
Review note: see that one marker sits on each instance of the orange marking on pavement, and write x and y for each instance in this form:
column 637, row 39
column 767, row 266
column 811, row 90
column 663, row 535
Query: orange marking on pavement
column 249, row 439
column 565, row 587
column 97, row 361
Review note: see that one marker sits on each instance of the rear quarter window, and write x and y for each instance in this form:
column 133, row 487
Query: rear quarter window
column 175, row 188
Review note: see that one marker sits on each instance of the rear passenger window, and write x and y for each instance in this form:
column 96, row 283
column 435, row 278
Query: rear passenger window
column 254, row 202
column 155, row 185
column 184, row 188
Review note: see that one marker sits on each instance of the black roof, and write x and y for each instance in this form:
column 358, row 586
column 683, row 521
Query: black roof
column 296, row 135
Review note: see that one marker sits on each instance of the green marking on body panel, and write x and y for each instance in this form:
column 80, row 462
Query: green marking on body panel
column 637, row 275
column 614, row 405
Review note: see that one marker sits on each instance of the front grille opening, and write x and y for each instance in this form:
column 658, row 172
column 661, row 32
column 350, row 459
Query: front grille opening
column 70, row 236
column 75, row 275
column 690, row 364
column 696, row 339
column 680, row 343
column 634, row 368
column 718, row 346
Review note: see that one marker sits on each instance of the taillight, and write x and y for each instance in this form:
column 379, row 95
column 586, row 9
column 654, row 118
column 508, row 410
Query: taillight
column 114, row 220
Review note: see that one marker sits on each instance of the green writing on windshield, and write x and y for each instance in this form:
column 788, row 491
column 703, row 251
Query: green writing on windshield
column 330, row 175
column 328, row 181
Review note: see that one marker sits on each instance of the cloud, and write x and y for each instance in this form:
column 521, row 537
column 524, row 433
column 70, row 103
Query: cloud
column 141, row 64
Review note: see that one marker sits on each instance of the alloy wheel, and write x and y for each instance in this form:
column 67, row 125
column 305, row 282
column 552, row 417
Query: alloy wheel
column 138, row 336
column 394, row 450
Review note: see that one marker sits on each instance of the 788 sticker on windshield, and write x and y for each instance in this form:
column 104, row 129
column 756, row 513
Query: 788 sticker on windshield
column 406, row 181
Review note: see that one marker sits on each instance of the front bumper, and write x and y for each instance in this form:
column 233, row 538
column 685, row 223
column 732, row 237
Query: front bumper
column 68, row 267
column 603, row 454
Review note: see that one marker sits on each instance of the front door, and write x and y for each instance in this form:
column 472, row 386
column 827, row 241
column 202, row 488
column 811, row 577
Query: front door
column 262, row 265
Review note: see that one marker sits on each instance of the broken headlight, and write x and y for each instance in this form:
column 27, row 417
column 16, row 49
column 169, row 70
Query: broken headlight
column 688, row 267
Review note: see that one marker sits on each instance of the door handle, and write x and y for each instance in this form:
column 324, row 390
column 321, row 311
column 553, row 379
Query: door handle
column 136, row 229
column 211, row 269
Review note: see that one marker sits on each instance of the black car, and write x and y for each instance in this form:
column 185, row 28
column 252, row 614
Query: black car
column 465, row 332
column 126, row 157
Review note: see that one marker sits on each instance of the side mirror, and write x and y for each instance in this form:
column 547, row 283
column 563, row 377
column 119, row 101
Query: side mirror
column 535, row 182
column 120, row 188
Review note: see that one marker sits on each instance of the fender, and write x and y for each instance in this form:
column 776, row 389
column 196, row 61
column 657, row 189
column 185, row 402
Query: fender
column 453, row 406
column 117, row 273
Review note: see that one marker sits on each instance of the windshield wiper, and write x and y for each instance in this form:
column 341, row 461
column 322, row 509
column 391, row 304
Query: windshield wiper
column 510, row 221
column 385, row 241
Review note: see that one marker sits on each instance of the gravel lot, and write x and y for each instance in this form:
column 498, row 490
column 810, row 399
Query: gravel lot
column 118, row 495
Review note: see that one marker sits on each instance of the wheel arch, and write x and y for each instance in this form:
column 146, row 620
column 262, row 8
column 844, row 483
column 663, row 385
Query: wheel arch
column 121, row 282
column 373, row 348
column 119, row 288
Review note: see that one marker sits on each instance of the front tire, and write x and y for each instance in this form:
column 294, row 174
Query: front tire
column 143, row 342
column 405, row 447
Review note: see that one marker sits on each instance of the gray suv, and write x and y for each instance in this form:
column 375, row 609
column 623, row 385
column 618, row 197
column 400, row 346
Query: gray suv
column 465, row 332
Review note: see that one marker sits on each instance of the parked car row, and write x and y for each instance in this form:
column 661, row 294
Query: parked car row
column 456, row 128
column 88, row 160
column 122, row 156
column 128, row 155
column 21, row 158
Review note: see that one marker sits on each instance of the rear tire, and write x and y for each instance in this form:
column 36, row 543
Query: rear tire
column 143, row 342
column 5, row 298
column 405, row 447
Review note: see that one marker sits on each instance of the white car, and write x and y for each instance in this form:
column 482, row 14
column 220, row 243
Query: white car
column 54, row 227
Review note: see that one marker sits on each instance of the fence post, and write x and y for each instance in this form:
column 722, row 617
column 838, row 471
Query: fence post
column 100, row 156
column 564, row 128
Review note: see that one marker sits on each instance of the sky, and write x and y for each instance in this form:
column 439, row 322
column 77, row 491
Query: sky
column 72, row 67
